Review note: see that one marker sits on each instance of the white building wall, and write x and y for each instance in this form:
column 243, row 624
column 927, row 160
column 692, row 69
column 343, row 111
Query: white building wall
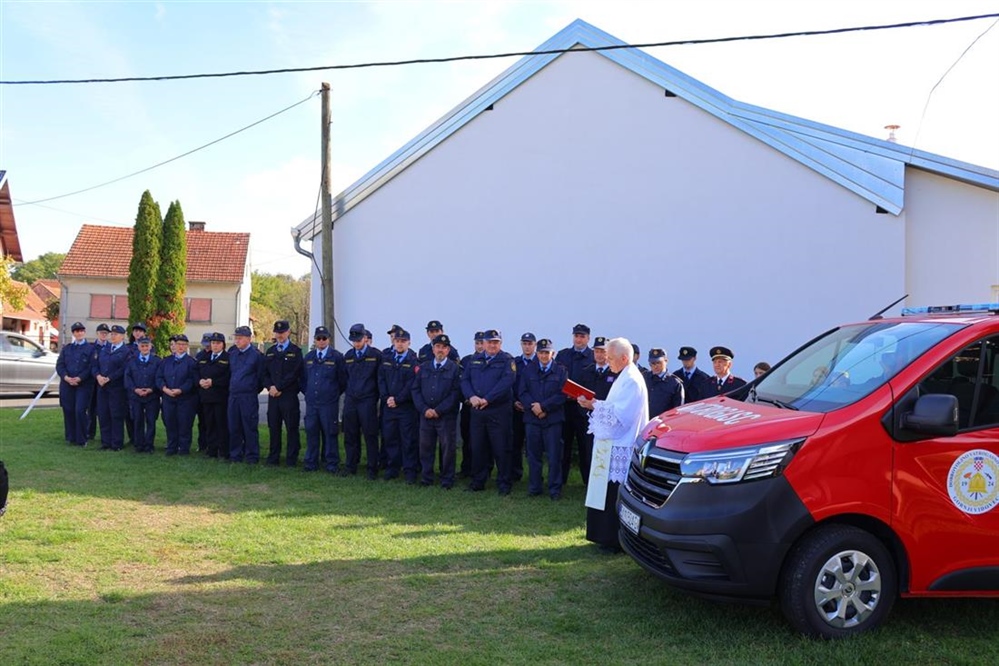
column 952, row 241
column 589, row 196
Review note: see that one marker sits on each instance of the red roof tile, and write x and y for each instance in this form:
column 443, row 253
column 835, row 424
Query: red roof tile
column 212, row 256
column 34, row 307
column 47, row 289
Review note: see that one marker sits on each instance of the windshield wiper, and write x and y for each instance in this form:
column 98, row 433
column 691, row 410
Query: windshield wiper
column 774, row 401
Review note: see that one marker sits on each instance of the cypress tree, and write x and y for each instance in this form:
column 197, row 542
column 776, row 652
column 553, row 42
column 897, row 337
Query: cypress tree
column 145, row 265
column 171, row 283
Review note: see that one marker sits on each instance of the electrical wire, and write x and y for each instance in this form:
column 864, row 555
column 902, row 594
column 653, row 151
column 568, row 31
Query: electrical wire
column 172, row 159
column 509, row 54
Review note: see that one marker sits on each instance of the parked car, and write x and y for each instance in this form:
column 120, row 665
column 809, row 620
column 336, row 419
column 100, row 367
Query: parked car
column 25, row 365
column 862, row 467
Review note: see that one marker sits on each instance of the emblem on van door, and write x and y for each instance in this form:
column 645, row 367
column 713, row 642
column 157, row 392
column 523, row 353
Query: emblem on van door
column 973, row 481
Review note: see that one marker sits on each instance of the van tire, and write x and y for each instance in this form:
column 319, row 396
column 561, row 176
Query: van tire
column 838, row 581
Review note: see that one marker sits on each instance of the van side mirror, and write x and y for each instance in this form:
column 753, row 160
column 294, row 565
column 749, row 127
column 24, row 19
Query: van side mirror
column 933, row 414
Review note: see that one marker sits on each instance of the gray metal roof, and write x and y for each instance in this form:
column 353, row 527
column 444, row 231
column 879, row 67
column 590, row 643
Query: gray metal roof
column 872, row 168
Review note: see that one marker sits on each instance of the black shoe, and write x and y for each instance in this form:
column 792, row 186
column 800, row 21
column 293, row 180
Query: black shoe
column 273, row 463
column 345, row 472
column 310, row 469
column 556, row 497
column 372, row 476
column 609, row 550
column 425, row 484
column 410, row 480
column 104, row 448
column 171, row 453
column 335, row 471
column 473, row 489
column 503, row 492
column 389, row 477
column 445, row 487
column 535, row 494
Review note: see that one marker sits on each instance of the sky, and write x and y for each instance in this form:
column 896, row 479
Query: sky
column 61, row 138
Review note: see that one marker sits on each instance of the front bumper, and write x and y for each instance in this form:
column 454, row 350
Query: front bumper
column 723, row 541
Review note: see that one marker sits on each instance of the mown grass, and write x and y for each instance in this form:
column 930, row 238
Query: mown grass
column 125, row 559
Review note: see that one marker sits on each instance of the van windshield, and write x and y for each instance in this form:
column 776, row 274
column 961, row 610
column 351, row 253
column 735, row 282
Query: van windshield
column 847, row 364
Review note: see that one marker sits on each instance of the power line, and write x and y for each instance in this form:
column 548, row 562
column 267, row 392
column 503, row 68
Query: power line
column 172, row 159
column 509, row 54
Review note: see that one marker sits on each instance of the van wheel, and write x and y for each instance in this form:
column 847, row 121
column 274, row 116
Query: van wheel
column 838, row 581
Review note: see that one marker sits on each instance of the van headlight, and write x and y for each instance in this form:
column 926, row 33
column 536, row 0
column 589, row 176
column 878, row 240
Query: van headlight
column 743, row 464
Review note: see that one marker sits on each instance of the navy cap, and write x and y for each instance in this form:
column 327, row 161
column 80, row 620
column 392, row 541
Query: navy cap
column 102, row 328
column 77, row 326
column 434, row 325
column 528, row 337
column 367, row 333
column 599, row 342
column 545, row 345
column 441, row 339
column 143, row 341
column 321, row 332
column 687, row 353
column 181, row 338
column 118, row 329
column 244, row 331
column 139, row 325
column 395, row 329
column 635, row 349
column 581, row 329
column 479, row 336
column 281, row 326
column 206, row 337
column 492, row 334
column 218, row 337
column 356, row 333
column 657, row 354
column 723, row 352
column 402, row 334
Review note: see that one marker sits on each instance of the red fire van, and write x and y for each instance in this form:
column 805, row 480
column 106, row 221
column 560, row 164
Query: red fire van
column 862, row 467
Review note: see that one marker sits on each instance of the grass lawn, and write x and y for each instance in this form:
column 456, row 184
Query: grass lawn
column 116, row 558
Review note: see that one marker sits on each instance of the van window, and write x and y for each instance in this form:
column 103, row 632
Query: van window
column 971, row 377
column 848, row 363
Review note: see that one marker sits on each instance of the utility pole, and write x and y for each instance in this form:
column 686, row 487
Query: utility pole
column 327, row 247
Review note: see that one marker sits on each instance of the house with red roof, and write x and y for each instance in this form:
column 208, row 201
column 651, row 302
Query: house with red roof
column 94, row 279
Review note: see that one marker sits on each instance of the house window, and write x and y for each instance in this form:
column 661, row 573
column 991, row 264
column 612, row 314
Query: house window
column 121, row 310
column 198, row 309
column 101, row 306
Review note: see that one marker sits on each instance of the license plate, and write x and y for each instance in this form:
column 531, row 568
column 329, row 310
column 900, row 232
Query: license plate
column 630, row 519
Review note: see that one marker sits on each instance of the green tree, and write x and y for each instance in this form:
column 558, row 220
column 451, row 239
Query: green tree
column 171, row 283
column 145, row 265
column 44, row 267
column 280, row 296
column 12, row 295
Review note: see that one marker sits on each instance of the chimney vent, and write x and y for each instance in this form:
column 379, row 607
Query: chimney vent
column 196, row 226
column 891, row 132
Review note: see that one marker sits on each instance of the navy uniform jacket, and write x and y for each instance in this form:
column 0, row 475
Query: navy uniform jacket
column 283, row 370
column 599, row 382
column 178, row 373
column 218, row 372
column 731, row 384
column 576, row 363
column 245, row 370
column 697, row 387
column 522, row 365
column 362, row 373
column 112, row 364
column 426, row 353
column 437, row 388
column 544, row 388
column 396, row 379
column 492, row 381
column 74, row 361
column 322, row 383
column 665, row 393
column 142, row 375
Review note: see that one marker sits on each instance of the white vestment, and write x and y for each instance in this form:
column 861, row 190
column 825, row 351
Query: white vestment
column 616, row 423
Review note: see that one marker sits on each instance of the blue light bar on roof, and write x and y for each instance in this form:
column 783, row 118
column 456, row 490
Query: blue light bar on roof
column 951, row 309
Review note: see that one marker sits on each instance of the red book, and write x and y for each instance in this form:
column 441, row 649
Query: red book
column 574, row 390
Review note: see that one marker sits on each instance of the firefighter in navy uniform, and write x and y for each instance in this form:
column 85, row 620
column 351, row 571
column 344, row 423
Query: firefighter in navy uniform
column 528, row 345
column 177, row 382
column 245, row 372
column 544, row 409
column 435, row 328
column 360, row 404
column 696, row 382
column 723, row 381
column 401, row 421
column 76, row 384
column 282, row 377
column 487, row 383
column 213, row 396
column 599, row 377
column 112, row 403
column 323, row 380
column 95, row 348
column 465, row 418
column 665, row 390
column 136, row 333
column 576, row 360
column 636, row 355
column 206, row 350
column 436, row 395
column 143, row 394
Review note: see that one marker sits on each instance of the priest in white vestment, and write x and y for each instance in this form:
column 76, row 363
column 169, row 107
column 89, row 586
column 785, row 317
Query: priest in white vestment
column 615, row 424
